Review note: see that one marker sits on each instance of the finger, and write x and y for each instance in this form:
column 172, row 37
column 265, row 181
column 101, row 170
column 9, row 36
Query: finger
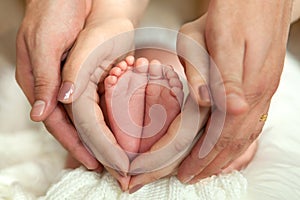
column 226, row 70
column 23, row 73
column 228, row 147
column 122, row 180
column 94, row 132
column 38, row 77
column 60, row 127
column 45, row 60
column 92, row 54
column 175, row 143
column 236, row 157
column 216, row 138
column 195, row 59
column 243, row 160
column 140, row 180
column 223, row 159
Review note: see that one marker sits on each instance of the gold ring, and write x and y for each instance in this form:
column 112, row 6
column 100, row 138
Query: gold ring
column 263, row 117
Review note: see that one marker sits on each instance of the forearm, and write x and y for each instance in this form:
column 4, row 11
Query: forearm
column 103, row 10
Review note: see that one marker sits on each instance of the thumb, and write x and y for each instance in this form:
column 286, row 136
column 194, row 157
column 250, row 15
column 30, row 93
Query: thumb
column 90, row 60
column 227, row 73
column 195, row 59
column 46, row 73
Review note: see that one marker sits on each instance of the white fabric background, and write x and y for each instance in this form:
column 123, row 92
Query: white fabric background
column 33, row 159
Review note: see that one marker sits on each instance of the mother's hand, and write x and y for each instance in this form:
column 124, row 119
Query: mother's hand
column 48, row 31
column 247, row 42
column 108, row 35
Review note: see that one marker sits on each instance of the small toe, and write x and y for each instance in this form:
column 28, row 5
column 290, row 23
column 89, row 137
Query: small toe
column 175, row 82
column 170, row 73
column 116, row 71
column 130, row 60
column 122, row 65
column 110, row 81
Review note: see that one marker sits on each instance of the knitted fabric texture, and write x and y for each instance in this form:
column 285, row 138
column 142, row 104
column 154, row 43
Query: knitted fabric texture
column 81, row 184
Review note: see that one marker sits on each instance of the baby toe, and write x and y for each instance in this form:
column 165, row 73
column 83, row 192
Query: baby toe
column 141, row 65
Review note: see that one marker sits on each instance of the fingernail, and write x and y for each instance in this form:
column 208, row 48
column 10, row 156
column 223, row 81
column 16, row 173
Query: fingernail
column 135, row 188
column 65, row 92
column 188, row 179
column 38, row 108
column 204, row 93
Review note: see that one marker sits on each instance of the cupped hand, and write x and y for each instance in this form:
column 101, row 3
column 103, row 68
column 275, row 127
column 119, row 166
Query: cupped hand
column 165, row 156
column 247, row 43
column 107, row 37
column 46, row 34
column 93, row 54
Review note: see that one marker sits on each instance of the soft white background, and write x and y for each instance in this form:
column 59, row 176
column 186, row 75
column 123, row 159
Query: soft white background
column 273, row 174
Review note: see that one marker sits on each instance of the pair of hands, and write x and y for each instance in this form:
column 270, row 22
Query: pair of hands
column 248, row 48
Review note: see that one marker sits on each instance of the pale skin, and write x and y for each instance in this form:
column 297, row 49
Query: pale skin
column 253, row 99
column 131, row 90
column 250, row 99
column 136, row 143
column 137, row 92
column 48, row 31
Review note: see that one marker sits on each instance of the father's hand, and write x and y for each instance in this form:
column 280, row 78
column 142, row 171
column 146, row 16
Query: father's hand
column 247, row 42
column 47, row 33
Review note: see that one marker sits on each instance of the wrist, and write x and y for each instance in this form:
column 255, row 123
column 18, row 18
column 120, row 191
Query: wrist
column 131, row 10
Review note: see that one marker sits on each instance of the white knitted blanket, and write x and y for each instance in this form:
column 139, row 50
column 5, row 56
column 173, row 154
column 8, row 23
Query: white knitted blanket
column 32, row 161
column 81, row 184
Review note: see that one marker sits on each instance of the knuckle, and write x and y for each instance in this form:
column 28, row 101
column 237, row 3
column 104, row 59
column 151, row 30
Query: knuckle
column 43, row 81
column 254, row 135
column 222, row 143
column 238, row 145
column 229, row 83
column 256, row 94
column 181, row 144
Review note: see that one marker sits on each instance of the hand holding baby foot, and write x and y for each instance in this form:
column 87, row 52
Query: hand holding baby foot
column 244, row 74
column 48, row 31
column 142, row 99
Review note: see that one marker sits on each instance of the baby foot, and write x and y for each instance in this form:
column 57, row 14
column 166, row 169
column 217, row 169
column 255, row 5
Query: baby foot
column 163, row 102
column 125, row 101
column 141, row 102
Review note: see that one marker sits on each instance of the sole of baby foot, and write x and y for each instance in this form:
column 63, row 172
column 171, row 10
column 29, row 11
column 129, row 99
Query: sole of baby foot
column 163, row 100
column 124, row 98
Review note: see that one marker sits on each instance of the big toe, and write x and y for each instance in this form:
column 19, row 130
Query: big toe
column 141, row 66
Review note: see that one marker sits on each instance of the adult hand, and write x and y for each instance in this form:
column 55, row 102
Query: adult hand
column 108, row 35
column 165, row 156
column 48, row 31
column 247, row 42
